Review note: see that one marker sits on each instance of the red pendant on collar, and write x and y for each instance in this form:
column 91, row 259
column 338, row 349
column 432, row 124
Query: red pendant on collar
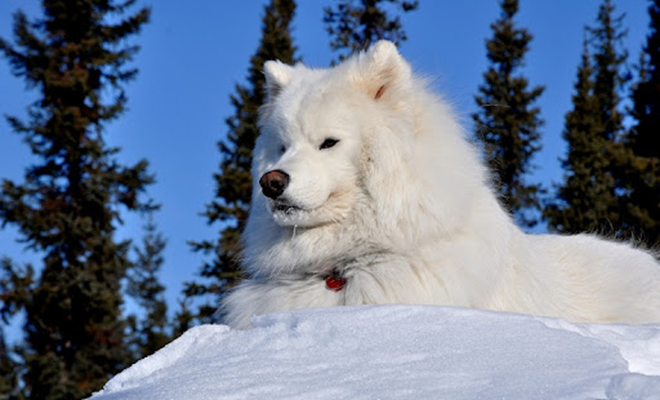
column 335, row 283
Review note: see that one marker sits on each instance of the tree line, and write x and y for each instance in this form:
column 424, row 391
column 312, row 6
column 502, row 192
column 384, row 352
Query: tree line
column 71, row 200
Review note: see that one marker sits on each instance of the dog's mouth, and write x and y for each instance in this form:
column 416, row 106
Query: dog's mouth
column 286, row 213
column 286, row 208
column 282, row 207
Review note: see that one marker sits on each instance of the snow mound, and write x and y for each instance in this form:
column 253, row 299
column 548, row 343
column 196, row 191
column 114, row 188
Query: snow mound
column 399, row 352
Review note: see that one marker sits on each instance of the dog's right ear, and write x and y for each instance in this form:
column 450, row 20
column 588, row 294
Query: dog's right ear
column 278, row 75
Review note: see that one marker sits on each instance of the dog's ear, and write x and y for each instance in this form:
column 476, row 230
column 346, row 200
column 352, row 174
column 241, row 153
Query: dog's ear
column 381, row 68
column 278, row 75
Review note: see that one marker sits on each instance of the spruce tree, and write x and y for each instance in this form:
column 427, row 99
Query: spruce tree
column 356, row 24
column 590, row 197
column 507, row 122
column 587, row 193
column 14, row 283
column 9, row 372
column 609, row 81
column 183, row 319
column 150, row 333
column 642, row 177
column 610, row 77
column 69, row 204
column 229, row 209
column 7, row 367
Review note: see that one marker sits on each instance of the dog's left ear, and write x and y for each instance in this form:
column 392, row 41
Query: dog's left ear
column 381, row 69
column 278, row 75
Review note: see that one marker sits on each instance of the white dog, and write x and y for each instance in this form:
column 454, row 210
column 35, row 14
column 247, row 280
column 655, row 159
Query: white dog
column 366, row 191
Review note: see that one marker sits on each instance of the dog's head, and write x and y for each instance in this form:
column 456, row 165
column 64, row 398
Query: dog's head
column 315, row 127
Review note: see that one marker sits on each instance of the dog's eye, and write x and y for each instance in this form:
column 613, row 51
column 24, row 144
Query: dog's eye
column 327, row 143
column 282, row 149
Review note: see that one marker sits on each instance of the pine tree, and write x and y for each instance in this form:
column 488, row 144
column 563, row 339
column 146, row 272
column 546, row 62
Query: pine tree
column 588, row 191
column 507, row 122
column 356, row 24
column 589, row 198
column 642, row 177
column 13, row 285
column 609, row 80
column 609, row 57
column 151, row 332
column 229, row 209
column 183, row 319
column 69, row 204
column 9, row 368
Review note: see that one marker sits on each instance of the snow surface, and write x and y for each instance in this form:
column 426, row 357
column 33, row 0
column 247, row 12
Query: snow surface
column 399, row 352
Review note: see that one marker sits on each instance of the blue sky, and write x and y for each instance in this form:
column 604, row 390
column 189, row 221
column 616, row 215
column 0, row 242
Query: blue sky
column 194, row 53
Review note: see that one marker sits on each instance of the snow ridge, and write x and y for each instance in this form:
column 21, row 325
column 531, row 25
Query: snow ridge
column 399, row 352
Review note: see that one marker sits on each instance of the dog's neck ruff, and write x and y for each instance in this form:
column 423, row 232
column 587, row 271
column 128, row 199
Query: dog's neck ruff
column 335, row 282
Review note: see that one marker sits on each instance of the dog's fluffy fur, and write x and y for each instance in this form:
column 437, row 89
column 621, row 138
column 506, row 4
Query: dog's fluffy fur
column 402, row 209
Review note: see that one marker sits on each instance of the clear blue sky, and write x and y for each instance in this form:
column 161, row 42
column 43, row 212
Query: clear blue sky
column 193, row 54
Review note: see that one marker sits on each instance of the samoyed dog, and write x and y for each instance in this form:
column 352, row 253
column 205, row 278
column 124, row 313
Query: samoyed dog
column 366, row 191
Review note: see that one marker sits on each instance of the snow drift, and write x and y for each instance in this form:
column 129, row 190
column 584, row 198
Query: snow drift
column 399, row 352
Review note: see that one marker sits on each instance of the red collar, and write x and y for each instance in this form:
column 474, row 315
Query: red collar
column 335, row 283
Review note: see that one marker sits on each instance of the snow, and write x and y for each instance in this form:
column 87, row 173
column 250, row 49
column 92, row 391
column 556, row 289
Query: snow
column 399, row 352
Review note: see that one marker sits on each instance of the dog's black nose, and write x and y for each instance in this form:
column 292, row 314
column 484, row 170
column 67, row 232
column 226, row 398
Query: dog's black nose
column 273, row 183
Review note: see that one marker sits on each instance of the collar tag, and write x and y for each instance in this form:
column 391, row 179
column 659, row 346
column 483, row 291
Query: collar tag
column 335, row 283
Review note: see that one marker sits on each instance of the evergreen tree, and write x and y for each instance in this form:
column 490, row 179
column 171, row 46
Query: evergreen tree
column 588, row 191
column 642, row 178
column 610, row 78
column 7, row 377
column 9, row 372
column 183, row 319
column 13, row 286
column 356, row 24
column 229, row 209
column 507, row 122
column 589, row 198
column 69, row 204
column 151, row 332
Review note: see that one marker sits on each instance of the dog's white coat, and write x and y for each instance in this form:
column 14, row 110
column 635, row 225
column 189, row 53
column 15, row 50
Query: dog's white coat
column 402, row 208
